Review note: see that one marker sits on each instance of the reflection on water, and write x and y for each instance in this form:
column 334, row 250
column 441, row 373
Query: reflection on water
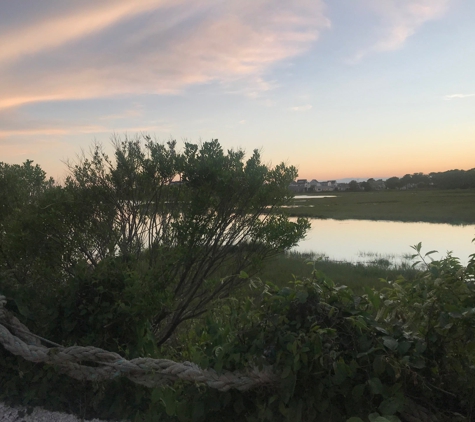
column 313, row 196
column 363, row 240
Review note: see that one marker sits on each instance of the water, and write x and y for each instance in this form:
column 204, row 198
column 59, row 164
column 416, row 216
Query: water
column 364, row 241
column 313, row 196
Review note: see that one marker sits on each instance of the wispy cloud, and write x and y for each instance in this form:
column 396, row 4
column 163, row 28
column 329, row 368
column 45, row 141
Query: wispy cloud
column 54, row 130
column 399, row 20
column 453, row 96
column 17, row 125
column 118, row 47
column 77, row 23
column 305, row 107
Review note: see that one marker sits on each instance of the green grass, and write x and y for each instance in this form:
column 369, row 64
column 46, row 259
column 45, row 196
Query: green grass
column 455, row 206
column 280, row 270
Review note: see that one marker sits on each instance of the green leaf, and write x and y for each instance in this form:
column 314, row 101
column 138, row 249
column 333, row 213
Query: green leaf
column 391, row 405
column 322, row 405
column 417, row 363
column 379, row 365
column 373, row 297
column 288, row 388
column 421, row 346
column 341, row 372
column 243, row 275
column 169, row 400
column 286, row 372
column 392, row 418
column 376, row 417
column 198, row 410
column 375, row 386
column 238, row 405
column 283, row 409
column 358, row 391
column 156, row 395
column 403, row 347
column 417, row 247
column 390, row 342
column 354, row 419
column 302, row 296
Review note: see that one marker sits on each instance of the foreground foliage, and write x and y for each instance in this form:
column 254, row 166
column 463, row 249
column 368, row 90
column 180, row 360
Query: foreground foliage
column 380, row 356
column 123, row 259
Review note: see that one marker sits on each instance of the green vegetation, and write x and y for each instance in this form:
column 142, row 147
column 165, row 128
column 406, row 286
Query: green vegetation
column 159, row 246
column 124, row 259
column 435, row 206
column 451, row 179
column 356, row 276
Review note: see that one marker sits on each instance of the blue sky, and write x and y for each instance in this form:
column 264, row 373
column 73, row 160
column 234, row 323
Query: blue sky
column 367, row 88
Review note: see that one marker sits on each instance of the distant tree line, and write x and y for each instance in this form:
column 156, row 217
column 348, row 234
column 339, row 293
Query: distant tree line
column 451, row 179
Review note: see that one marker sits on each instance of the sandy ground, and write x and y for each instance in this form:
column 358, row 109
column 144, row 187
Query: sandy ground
column 19, row 414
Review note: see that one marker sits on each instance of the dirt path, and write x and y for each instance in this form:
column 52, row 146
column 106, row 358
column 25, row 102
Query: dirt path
column 20, row 414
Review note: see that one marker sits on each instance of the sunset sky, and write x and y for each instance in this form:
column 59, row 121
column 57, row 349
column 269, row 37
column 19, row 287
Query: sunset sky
column 338, row 88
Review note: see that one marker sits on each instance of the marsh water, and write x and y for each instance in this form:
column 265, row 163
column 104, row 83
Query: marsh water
column 366, row 241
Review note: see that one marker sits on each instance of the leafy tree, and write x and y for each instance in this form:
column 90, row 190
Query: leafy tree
column 393, row 183
column 454, row 179
column 188, row 227
column 406, row 180
column 367, row 186
column 20, row 185
column 353, row 186
column 421, row 180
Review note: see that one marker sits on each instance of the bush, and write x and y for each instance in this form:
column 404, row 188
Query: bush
column 345, row 357
column 339, row 356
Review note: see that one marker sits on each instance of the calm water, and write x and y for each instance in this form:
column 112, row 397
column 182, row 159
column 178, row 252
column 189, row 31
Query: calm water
column 361, row 240
column 313, row 196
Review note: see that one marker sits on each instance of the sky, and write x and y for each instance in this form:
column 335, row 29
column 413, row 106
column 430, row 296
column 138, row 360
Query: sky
column 338, row 88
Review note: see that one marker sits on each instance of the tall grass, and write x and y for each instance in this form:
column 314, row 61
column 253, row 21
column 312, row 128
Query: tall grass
column 282, row 268
column 437, row 206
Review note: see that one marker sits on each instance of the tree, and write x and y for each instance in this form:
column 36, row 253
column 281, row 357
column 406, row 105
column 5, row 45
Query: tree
column 187, row 227
column 353, row 186
column 393, row 183
column 368, row 185
column 20, row 185
column 22, row 188
column 406, row 180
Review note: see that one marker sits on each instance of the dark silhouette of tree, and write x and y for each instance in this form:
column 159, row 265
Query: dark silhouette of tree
column 353, row 186
column 393, row 183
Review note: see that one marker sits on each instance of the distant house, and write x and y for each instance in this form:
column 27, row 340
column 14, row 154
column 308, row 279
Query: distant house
column 301, row 185
column 343, row 186
column 329, row 185
column 315, row 186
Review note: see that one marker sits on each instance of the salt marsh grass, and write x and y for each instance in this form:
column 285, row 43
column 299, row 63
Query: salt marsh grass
column 433, row 206
column 282, row 268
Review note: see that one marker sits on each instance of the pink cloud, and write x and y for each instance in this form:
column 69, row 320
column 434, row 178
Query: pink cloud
column 76, row 23
column 177, row 44
column 399, row 20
